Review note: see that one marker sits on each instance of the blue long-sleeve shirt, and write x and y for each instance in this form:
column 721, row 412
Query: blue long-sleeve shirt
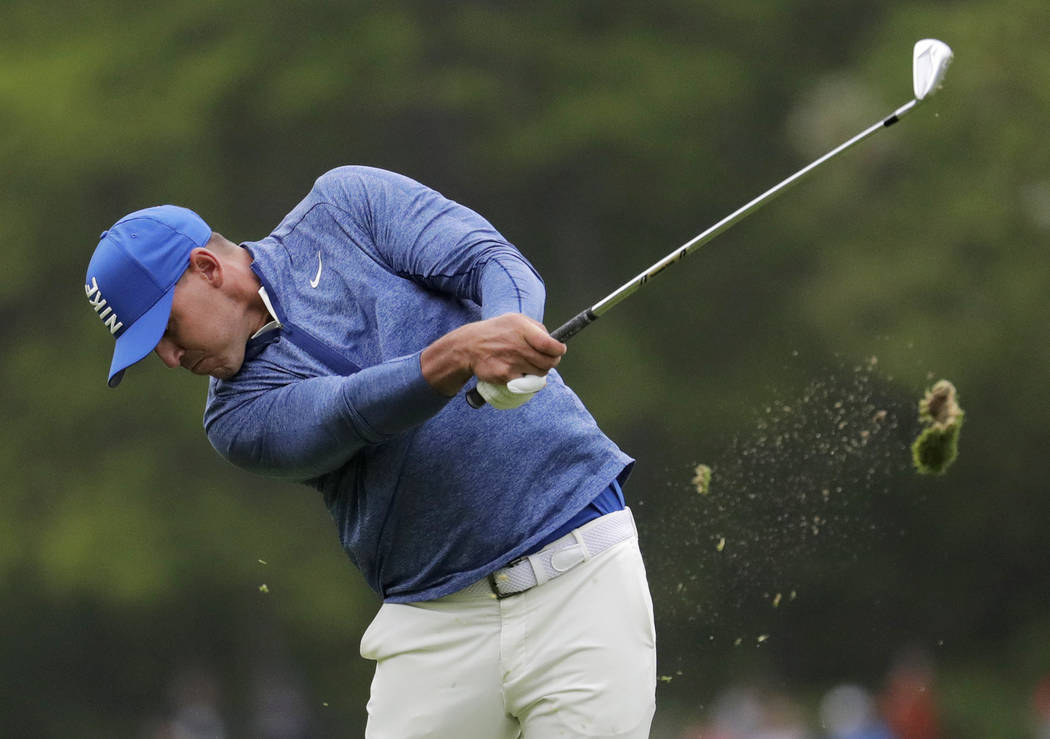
column 428, row 494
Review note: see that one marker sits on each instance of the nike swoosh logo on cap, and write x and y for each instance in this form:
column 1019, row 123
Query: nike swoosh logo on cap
column 317, row 278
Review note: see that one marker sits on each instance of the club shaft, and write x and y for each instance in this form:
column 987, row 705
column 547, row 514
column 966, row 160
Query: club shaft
column 629, row 287
column 589, row 315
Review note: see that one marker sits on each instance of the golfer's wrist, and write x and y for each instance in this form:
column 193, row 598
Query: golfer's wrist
column 445, row 365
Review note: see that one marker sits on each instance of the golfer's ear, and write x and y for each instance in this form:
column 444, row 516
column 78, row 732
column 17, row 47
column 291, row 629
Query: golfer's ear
column 208, row 265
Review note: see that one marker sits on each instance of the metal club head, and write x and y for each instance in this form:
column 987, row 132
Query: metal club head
column 929, row 63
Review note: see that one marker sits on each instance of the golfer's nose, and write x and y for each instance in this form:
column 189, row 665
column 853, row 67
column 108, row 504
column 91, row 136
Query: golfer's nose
column 168, row 352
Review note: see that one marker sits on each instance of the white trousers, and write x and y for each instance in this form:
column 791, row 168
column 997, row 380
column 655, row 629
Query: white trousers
column 574, row 657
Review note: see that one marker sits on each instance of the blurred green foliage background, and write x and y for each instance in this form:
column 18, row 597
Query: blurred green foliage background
column 597, row 136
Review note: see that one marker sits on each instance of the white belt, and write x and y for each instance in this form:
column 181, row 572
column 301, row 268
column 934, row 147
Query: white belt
column 561, row 555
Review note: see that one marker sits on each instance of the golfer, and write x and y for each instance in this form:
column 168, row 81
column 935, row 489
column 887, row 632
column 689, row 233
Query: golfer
column 514, row 598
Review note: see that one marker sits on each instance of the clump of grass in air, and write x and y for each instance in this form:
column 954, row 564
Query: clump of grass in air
column 937, row 446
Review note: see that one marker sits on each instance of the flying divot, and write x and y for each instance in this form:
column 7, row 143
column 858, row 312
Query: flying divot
column 937, row 446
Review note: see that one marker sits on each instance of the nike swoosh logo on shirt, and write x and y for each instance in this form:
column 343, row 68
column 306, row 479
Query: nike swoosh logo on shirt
column 317, row 278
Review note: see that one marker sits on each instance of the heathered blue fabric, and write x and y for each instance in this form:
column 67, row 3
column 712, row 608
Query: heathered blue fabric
column 428, row 494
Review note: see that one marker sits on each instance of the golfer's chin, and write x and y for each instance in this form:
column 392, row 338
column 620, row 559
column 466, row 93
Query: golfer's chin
column 228, row 368
column 221, row 369
column 223, row 373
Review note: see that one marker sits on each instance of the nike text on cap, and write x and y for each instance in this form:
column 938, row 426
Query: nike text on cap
column 131, row 278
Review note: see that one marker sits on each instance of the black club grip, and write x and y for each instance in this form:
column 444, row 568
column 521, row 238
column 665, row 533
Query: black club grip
column 574, row 325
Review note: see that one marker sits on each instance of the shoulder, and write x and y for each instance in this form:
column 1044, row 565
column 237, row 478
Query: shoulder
column 365, row 173
column 363, row 183
column 357, row 175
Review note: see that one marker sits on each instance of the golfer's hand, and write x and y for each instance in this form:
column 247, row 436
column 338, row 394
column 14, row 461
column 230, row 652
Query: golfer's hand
column 496, row 351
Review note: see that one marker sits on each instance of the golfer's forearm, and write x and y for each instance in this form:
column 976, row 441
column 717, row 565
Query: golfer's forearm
column 305, row 429
column 508, row 284
column 390, row 398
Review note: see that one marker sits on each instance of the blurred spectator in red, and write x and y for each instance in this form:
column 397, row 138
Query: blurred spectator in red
column 1041, row 706
column 908, row 703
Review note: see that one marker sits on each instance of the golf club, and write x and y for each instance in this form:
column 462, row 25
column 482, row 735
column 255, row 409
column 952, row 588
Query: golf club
column 930, row 60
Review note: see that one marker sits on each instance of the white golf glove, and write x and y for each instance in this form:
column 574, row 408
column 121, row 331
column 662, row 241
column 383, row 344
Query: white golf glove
column 513, row 394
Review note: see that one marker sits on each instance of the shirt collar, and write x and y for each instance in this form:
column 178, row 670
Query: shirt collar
column 274, row 323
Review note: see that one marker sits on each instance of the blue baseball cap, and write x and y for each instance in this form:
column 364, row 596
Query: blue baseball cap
column 131, row 277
